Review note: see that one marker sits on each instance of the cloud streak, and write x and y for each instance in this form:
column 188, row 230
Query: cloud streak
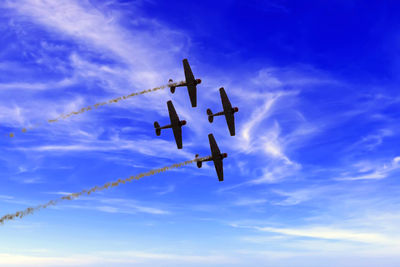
column 329, row 233
column 31, row 210
column 369, row 171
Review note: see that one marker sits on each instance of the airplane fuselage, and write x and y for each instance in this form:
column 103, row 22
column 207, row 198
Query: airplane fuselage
column 216, row 156
column 190, row 83
column 176, row 125
column 228, row 111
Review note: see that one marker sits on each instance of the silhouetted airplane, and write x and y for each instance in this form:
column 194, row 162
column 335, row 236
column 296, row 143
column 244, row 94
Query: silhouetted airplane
column 176, row 125
column 216, row 156
column 191, row 83
column 228, row 112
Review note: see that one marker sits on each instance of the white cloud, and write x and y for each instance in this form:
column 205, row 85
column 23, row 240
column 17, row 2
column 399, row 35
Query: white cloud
column 329, row 233
column 261, row 134
column 112, row 258
column 15, row 259
column 15, row 86
column 167, row 190
column 139, row 59
column 249, row 201
column 295, row 197
column 151, row 147
column 257, row 116
column 275, row 172
column 267, row 77
column 61, row 193
column 86, row 24
column 114, row 205
column 32, row 180
column 371, row 141
column 5, row 197
column 371, row 171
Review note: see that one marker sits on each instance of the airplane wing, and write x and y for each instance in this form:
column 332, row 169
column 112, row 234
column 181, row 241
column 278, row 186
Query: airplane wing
column 175, row 123
column 228, row 111
column 190, row 83
column 219, row 169
column 216, row 156
column 188, row 71
column 192, row 94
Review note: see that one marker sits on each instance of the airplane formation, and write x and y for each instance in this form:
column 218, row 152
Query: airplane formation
column 176, row 124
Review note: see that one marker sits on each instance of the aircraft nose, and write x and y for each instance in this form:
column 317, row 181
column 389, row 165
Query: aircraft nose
column 198, row 81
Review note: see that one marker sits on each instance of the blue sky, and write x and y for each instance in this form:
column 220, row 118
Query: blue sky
column 311, row 177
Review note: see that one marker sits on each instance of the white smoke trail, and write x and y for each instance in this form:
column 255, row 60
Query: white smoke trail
column 95, row 106
column 31, row 210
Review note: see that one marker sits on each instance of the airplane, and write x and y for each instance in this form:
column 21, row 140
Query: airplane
column 190, row 82
column 216, row 156
column 228, row 112
column 176, row 125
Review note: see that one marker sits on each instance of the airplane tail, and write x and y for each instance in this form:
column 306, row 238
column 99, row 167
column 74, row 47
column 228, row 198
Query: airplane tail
column 210, row 115
column 172, row 88
column 157, row 128
column 199, row 163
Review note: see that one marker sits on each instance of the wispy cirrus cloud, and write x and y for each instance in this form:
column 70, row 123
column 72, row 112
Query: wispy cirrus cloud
column 166, row 190
column 90, row 26
column 274, row 126
column 329, row 233
column 117, row 59
column 15, row 86
column 249, row 201
column 116, row 205
column 150, row 147
column 366, row 170
column 295, row 197
column 107, row 258
column 372, row 140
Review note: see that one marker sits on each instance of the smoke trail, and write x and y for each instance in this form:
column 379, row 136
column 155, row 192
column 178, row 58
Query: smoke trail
column 31, row 210
column 95, row 106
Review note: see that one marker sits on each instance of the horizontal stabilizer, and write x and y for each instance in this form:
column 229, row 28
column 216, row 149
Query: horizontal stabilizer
column 157, row 128
column 198, row 162
column 210, row 115
column 172, row 88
